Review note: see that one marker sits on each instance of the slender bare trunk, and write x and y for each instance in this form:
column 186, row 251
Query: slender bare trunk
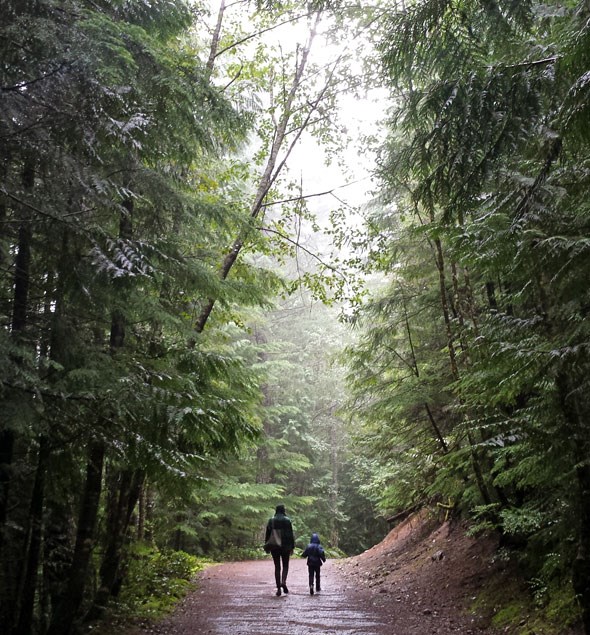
column 215, row 38
column 416, row 370
column 272, row 169
column 475, row 459
column 436, row 429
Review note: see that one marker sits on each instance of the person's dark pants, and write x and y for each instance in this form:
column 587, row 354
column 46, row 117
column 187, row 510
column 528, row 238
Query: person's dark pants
column 278, row 557
column 314, row 570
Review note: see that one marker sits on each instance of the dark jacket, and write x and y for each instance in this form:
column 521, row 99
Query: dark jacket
column 283, row 524
column 314, row 552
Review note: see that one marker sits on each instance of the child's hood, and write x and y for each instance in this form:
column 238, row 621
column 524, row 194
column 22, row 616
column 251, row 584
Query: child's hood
column 315, row 539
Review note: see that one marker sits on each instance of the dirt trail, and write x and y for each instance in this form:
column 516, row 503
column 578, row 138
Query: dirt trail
column 239, row 599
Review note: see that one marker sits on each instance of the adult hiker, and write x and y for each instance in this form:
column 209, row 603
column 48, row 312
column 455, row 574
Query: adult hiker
column 279, row 542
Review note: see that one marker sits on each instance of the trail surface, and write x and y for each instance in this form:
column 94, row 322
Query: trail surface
column 239, row 599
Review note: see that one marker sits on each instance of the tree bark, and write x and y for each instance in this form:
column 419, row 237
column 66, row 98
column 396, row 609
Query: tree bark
column 10, row 550
column 4, row 171
column 29, row 586
column 215, row 39
column 141, row 513
column 491, row 295
column 62, row 621
column 126, row 487
column 580, row 443
column 416, row 371
column 20, row 308
column 581, row 566
column 475, row 460
column 436, row 429
column 440, row 264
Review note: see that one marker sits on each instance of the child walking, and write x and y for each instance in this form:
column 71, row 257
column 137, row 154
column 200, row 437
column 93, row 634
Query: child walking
column 315, row 558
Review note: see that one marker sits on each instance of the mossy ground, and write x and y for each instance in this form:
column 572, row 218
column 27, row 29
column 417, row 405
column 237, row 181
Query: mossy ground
column 515, row 607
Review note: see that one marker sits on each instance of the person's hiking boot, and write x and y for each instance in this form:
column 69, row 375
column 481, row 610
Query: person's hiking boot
column 285, row 589
column 311, row 589
column 317, row 589
column 278, row 591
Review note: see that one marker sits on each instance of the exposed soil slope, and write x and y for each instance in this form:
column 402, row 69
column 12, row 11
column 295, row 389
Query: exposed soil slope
column 426, row 578
column 432, row 578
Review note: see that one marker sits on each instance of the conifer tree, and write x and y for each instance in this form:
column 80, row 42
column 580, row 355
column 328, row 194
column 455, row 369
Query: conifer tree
column 484, row 161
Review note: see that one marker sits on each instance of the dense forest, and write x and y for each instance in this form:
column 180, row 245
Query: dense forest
column 188, row 338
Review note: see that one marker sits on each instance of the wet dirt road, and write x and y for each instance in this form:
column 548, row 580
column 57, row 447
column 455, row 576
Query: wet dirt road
column 239, row 599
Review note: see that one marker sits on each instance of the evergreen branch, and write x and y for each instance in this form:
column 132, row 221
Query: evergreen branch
column 552, row 155
column 401, row 358
column 47, row 393
column 547, row 60
column 21, row 85
column 18, row 200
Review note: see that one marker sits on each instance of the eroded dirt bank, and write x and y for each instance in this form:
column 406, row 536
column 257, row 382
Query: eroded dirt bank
column 430, row 578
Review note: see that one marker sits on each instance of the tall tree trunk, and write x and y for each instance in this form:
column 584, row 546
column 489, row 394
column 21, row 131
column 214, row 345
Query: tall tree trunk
column 20, row 308
column 491, row 295
column 416, row 370
column 69, row 605
column 576, row 431
column 141, row 513
column 215, row 39
column 442, row 283
column 125, row 491
column 581, row 567
column 48, row 347
column 58, row 542
column 10, row 550
column 29, row 585
column 5, row 162
column 119, row 498
column 436, row 429
column 475, row 459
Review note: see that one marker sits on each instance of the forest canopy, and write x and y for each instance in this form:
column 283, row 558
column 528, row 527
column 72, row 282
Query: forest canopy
column 172, row 364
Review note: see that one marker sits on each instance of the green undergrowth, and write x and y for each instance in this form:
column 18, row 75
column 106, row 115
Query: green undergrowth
column 156, row 580
column 512, row 605
column 237, row 554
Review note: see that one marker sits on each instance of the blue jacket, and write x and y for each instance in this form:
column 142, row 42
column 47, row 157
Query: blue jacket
column 314, row 552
